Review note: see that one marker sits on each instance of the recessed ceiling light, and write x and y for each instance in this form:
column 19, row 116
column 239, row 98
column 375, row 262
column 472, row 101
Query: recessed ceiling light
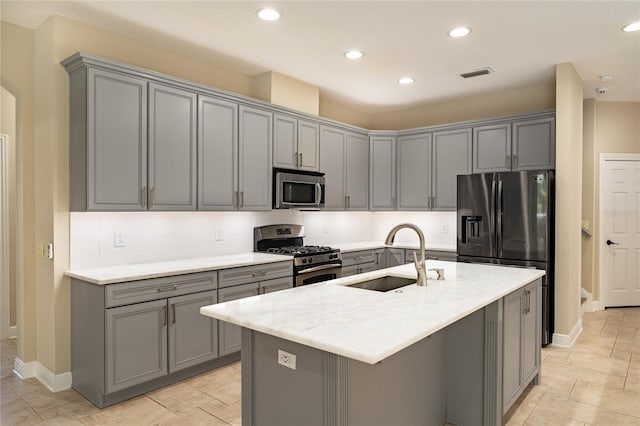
column 353, row 54
column 459, row 32
column 606, row 77
column 268, row 14
column 631, row 27
column 406, row 80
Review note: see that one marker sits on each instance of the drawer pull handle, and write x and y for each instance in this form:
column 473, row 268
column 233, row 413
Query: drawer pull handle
column 258, row 274
column 167, row 288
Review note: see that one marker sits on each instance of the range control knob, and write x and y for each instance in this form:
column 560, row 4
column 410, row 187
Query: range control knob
column 304, row 260
column 310, row 259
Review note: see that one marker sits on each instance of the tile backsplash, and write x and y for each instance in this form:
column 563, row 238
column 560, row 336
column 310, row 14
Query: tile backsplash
column 156, row 236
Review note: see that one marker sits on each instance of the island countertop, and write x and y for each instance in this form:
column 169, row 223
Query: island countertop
column 367, row 325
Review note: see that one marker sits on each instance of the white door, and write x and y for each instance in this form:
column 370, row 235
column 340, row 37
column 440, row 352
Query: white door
column 620, row 231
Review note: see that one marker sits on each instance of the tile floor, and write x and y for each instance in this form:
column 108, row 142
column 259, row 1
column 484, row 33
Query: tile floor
column 597, row 382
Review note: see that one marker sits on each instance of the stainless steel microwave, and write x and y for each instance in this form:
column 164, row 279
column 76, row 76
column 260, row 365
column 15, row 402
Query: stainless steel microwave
column 295, row 189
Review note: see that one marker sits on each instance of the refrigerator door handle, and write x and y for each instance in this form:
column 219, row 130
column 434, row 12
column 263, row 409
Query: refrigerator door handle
column 499, row 219
column 492, row 207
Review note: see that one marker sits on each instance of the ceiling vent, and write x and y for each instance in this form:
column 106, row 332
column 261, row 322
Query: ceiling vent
column 476, row 73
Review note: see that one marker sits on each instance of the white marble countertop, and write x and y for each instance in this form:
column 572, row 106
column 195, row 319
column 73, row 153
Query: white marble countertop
column 371, row 245
column 367, row 325
column 139, row 271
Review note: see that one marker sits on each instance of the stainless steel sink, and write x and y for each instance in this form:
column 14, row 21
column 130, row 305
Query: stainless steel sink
column 386, row 283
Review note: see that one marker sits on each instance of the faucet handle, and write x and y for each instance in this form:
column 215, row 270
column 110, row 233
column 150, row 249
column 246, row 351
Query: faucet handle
column 440, row 273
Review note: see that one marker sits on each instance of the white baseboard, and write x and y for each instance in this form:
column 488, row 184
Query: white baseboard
column 567, row 340
column 596, row 306
column 53, row 382
column 587, row 306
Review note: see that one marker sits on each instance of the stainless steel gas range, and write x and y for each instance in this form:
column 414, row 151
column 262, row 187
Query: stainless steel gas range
column 311, row 264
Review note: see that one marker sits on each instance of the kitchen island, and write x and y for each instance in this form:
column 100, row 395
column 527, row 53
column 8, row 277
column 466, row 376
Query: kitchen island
column 415, row 355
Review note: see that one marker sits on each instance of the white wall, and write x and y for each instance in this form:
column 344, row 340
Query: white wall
column 155, row 236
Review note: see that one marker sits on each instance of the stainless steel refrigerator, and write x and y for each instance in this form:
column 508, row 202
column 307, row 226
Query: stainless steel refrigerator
column 508, row 218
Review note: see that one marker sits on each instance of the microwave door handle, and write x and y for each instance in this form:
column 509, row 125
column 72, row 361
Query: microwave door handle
column 318, row 194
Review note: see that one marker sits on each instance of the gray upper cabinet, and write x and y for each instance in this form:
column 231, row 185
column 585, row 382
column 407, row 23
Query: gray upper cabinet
column 382, row 173
column 172, row 148
column 515, row 145
column 414, row 172
column 108, row 143
column 234, row 154
column 492, row 148
column 451, row 157
column 254, row 159
column 296, row 143
column 217, row 153
column 357, row 172
column 534, row 145
column 344, row 159
column 332, row 164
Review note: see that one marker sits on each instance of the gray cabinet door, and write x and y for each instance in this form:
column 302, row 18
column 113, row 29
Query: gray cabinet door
column 357, row 172
column 492, row 148
column 382, row 180
column 512, row 348
column 217, row 153
column 254, row 159
column 308, row 145
column 230, row 337
column 531, row 331
column 193, row 338
column 451, row 157
column 534, row 146
column 271, row 286
column 332, row 163
column 172, row 148
column 136, row 344
column 285, row 141
column 395, row 257
column 414, row 172
column 116, row 141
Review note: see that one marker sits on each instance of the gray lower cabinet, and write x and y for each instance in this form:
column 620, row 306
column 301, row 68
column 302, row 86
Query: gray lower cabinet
column 359, row 262
column 136, row 344
column 247, row 281
column 380, row 258
column 382, row 173
column 129, row 338
column 521, row 341
column 394, row 257
column 172, row 149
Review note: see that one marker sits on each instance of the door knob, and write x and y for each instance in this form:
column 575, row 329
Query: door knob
column 609, row 242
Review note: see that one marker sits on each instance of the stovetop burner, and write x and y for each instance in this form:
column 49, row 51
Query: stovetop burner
column 300, row 250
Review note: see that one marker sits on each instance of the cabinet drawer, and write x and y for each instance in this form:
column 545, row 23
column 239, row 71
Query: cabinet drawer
column 357, row 257
column 254, row 273
column 159, row 288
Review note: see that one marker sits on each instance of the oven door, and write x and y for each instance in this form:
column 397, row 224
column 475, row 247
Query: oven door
column 317, row 274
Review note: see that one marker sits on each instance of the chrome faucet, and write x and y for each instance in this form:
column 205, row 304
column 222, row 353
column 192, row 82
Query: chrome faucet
column 420, row 264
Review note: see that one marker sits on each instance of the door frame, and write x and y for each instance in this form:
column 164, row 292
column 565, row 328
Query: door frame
column 5, row 326
column 604, row 157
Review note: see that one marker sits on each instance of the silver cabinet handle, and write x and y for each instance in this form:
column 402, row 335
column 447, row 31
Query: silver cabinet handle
column 173, row 313
column 295, row 161
column 167, row 288
column 514, row 162
column 241, row 199
column 346, row 202
column 152, row 196
column 164, row 316
column 234, row 202
column 258, row 273
column 434, row 201
column 300, row 159
column 144, row 196
column 527, row 302
column 263, row 290
column 507, row 161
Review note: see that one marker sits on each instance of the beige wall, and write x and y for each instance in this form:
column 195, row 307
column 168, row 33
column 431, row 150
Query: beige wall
column 17, row 77
column 617, row 130
column 505, row 102
column 568, row 213
column 339, row 112
column 589, row 162
column 8, row 127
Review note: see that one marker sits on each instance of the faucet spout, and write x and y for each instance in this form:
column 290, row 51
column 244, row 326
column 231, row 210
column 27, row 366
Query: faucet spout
column 419, row 264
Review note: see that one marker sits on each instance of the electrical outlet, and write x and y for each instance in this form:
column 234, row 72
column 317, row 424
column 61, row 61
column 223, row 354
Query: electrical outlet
column 286, row 359
column 119, row 239
column 49, row 249
column 219, row 234
column 445, row 228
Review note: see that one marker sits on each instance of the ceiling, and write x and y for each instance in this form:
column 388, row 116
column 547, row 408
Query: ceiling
column 521, row 41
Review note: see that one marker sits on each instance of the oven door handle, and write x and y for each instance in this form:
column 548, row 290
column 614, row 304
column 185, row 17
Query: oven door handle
column 320, row 268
